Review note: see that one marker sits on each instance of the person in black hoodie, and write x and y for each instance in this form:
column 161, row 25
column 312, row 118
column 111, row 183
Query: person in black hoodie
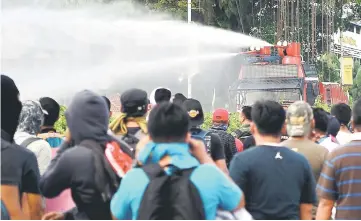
column 80, row 166
column 19, row 168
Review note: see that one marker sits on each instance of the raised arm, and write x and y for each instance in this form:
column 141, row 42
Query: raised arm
column 58, row 175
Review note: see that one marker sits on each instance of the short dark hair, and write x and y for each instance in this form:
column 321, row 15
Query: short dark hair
column 246, row 111
column 162, row 95
column 321, row 119
column 168, row 122
column 179, row 99
column 356, row 113
column 107, row 101
column 269, row 117
column 52, row 108
column 342, row 112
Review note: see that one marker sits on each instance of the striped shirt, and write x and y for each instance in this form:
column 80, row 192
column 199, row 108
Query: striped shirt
column 340, row 180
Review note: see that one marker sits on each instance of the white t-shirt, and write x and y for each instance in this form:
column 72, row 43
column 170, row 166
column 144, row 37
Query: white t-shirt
column 328, row 144
column 40, row 148
column 343, row 137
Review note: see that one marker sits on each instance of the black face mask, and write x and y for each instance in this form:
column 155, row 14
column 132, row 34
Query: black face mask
column 10, row 105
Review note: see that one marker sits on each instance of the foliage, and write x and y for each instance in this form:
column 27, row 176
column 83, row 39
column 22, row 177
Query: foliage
column 356, row 87
column 320, row 104
column 60, row 125
column 329, row 68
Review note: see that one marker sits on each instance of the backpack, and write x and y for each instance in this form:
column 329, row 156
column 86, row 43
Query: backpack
column 29, row 141
column 170, row 197
column 131, row 140
column 204, row 136
column 111, row 163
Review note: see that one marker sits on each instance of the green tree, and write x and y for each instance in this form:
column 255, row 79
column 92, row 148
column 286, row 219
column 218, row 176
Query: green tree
column 328, row 67
column 60, row 125
column 320, row 104
column 356, row 87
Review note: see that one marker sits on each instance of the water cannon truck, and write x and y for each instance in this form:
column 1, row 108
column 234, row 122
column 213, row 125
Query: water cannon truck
column 279, row 73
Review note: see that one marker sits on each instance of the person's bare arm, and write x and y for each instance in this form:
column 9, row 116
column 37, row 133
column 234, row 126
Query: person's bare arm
column 10, row 197
column 34, row 205
column 324, row 210
column 241, row 205
column 221, row 164
column 306, row 211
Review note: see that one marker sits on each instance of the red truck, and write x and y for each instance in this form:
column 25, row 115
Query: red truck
column 332, row 93
column 281, row 75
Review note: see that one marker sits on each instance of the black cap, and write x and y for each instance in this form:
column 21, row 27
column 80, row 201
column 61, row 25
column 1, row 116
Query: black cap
column 134, row 102
column 107, row 101
column 52, row 108
column 195, row 111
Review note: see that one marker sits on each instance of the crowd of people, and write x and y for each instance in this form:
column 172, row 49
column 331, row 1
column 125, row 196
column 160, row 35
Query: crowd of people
column 154, row 160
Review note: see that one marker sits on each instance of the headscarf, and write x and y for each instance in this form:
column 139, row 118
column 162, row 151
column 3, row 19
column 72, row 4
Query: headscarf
column 10, row 106
column 31, row 118
column 118, row 125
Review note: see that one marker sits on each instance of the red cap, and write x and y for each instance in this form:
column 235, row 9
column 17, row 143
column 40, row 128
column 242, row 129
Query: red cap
column 220, row 115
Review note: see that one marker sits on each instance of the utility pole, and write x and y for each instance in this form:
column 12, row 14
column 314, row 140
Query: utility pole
column 189, row 11
column 189, row 74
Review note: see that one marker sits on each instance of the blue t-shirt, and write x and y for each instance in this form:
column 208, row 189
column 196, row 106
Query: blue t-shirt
column 4, row 212
column 215, row 189
column 275, row 181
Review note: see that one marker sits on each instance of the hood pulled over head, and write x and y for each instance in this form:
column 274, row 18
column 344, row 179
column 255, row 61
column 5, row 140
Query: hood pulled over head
column 10, row 105
column 87, row 117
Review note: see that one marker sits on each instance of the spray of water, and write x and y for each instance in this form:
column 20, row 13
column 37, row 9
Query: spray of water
column 55, row 48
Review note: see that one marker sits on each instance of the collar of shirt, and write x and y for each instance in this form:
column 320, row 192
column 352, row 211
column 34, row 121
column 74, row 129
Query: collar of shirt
column 356, row 136
column 6, row 136
column 270, row 144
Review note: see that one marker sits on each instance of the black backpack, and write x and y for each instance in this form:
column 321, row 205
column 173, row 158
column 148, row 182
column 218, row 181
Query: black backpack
column 172, row 197
column 106, row 180
column 204, row 136
column 131, row 140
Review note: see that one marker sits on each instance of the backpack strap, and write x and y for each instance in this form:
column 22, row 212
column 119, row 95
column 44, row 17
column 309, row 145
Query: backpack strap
column 203, row 133
column 200, row 133
column 105, row 177
column 29, row 140
column 139, row 135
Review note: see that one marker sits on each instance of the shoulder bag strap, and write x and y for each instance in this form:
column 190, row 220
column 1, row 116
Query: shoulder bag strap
column 29, row 140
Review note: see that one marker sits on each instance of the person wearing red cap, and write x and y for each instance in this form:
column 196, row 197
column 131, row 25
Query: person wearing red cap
column 220, row 126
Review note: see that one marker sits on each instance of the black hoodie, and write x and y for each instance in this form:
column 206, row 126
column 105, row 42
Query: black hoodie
column 18, row 165
column 76, row 167
column 10, row 106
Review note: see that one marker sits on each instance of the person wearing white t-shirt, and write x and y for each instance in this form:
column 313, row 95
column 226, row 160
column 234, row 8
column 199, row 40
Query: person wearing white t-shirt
column 342, row 112
column 320, row 132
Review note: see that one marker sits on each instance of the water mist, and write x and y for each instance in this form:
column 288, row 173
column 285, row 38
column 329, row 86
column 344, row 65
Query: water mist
column 55, row 48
